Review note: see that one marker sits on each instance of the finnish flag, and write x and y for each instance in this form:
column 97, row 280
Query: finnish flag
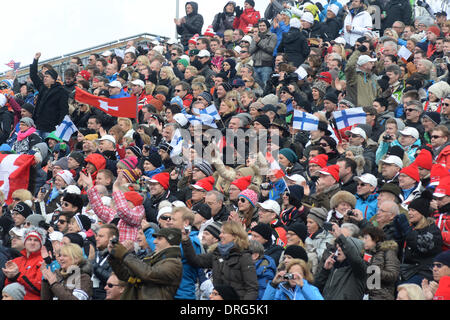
column 305, row 121
column 66, row 129
column 348, row 117
column 210, row 110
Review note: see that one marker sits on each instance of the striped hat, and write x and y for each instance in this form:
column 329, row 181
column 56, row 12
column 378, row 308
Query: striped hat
column 129, row 163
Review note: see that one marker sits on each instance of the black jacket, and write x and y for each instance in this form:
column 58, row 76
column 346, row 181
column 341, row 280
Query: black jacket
column 397, row 10
column 51, row 105
column 151, row 205
column 6, row 124
column 193, row 25
column 295, row 46
column 330, row 28
column 101, row 270
column 224, row 20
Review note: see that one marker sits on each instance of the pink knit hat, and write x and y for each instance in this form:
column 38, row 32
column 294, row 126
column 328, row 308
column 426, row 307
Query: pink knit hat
column 250, row 195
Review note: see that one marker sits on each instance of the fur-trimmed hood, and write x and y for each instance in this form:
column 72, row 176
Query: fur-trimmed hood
column 388, row 245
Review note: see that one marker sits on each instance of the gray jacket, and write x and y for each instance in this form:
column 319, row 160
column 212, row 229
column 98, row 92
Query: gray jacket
column 262, row 51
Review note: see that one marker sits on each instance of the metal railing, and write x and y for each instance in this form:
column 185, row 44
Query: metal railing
column 61, row 63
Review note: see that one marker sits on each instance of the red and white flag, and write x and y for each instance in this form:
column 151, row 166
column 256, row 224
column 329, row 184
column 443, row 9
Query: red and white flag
column 275, row 168
column 14, row 173
column 121, row 107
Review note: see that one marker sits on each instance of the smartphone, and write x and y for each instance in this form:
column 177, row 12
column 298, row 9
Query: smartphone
column 328, row 226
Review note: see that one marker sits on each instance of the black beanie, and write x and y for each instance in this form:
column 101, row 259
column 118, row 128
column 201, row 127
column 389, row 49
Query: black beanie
column 202, row 209
column 155, row 159
column 83, row 222
column 422, row 204
column 77, row 156
column 299, row 229
column 331, row 96
column 296, row 252
column 296, row 194
column 226, row 292
column 75, row 238
column 52, row 73
column 264, row 230
column 264, row 120
column 23, row 209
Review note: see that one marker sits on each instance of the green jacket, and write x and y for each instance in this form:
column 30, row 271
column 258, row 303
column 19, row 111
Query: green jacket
column 362, row 87
column 155, row 277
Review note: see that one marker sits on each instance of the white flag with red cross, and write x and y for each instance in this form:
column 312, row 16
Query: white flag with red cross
column 14, row 173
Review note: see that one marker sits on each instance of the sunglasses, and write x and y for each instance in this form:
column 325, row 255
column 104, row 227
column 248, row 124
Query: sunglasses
column 410, row 110
column 436, row 137
column 173, row 54
column 165, row 218
column 62, row 221
column 354, row 136
column 323, row 145
column 243, row 200
column 438, row 265
column 244, row 51
column 178, row 90
column 446, row 104
column 111, row 285
column 362, row 184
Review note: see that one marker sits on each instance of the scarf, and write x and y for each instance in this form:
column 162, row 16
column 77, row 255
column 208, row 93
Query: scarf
column 23, row 135
column 224, row 249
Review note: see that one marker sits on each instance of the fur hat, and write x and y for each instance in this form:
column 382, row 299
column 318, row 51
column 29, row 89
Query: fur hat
column 342, row 196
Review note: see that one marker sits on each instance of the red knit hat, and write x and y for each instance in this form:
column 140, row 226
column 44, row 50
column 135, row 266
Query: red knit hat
column 424, row 159
column 321, row 160
column 411, row 171
column 242, row 183
column 326, row 76
column 210, row 32
column 194, row 39
column 435, row 30
column 157, row 103
column 437, row 173
column 443, row 189
column 205, row 184
column 85, row 74
column 134, row 197
column 332, row 170
column 161, row 178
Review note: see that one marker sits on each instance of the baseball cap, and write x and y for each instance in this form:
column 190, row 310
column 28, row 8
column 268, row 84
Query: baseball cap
column 107, row 53
column 297, row 178
column 203, row 53
column 367, row 178
column 247, row 38
column 410, row 131
column 358, row 131
column 108, row 138
column 138, row 82
column 115, row 84
column 270, row 205
column 394, row 160
column 364, row 59
column 18, row 232
column 172, row 235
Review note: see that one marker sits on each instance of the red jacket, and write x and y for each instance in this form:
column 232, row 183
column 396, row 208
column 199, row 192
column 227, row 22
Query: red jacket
column 249, row 16
column 30, row 275
column 444, row 157
column 443, row 223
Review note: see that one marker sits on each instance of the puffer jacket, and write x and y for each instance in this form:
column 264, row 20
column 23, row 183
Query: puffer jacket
column 249, row 17
column 295, row 46
column 315, row 245
column 62, row 288
column 224, row 20
column 443, row 156
column 156, row 277
column 368, row 206
column 262, row 51
column 193, row 25
column 384, row 256
column 265, row 271
column 361, row 22
column 442, row 219
column 284, row 292
column 236, row 270
column 345, row 280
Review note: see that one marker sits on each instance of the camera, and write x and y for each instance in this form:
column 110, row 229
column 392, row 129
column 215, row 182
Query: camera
column 187, row 229
column 288, row 276
column 328, row 226
column 387, row 137
column 265, row 186
column 350, row 213
column 114, row 241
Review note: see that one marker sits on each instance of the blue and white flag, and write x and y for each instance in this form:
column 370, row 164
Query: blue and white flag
column 305, row 121
column 66, row 129
column 203, row 119
column 176, row 144
column 211, row 110
column 349, row 117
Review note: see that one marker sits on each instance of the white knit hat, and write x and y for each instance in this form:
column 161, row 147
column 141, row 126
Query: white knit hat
column 333, row 8
column 67, row 176
column 308, row 17
column 295, row 23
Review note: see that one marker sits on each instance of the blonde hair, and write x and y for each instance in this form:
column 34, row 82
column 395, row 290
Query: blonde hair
column 127, row 121
column 237, row 230
column 73, row 251
column 199, row 85
column 193, row 70
column 231, row 105
column 305, row 267
column 22, row 194
column 117, row 131
column 186, row 214
column 144, row 60
column 170, row 75
column 414, row 291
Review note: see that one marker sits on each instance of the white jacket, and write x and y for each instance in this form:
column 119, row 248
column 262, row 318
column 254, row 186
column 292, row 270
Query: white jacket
column 361, row 23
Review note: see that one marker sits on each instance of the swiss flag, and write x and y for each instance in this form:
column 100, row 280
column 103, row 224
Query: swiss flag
column 14, row 173
column 121, row 107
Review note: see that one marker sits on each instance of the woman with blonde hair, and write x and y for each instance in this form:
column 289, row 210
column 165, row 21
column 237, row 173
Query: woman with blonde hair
column 190, row 73
column 227, row 110
column 74, row 270
column 293, row 283
column 126, row 125
column 197, row 88
column 142, row 61
column 410, row 291
column 117, row 132
column 231, row 262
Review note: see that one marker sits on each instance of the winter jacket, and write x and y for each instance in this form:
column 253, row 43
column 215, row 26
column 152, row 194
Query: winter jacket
column 30, row 275
column 384, row 256
column 410, row 151
column 191, row 273
column 368, row 206
column 397, row 10
column 101, row 272
column 360, row 21
column 330, row 28
column 52, row 103
column 443, row 157
column 25, row 145
column 284, row 292
column 274, row 251
column 262, row 51
column 62, row 289
column 265, row 272
column 295, row 46
column 413, row 195
column 282, row 28
column 315, row 245
column 315, row 31
column 193, row 24
column 151, row 205
column 6, row 124
column 442, row 219
column 323, row 198
column 345, row 280
column 362, row 87
column 236, row 270
column 224, row 20
column 155, row 277
column 249, row 17
column 421, row 244
column 274, row 8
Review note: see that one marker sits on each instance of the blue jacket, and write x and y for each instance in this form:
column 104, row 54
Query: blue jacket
column 265, row 271
column 277, row 190
column 186, row 289
column 279, row 32
column 149, row 237
column 282, row 292
column 122, row 94
column 153, row 172
column 323, row 13
column 112, row 77
column 383, row 148
column 369, row 206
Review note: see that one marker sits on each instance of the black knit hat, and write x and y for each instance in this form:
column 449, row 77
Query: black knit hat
column 331, row 96
column 83, row 222
column 264, row 120
column 214, row 229
column 296, row 252
column 299, row 229
column 136, row 150
column 77, row 156
column 433, row 116
column 23, row 209
column 29, row 107
column 165, row 147
column 155, row 159
column 422, row 204
column 202, row 209
column 226, row 292
column 75, row 238
column 264, row 230
column 52, row 73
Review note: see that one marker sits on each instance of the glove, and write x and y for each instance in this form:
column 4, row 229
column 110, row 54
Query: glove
column 362, row 48
column 119, row 251
column 384, row 82
column 419, row 3
column 238, row 11
column 401, row 224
